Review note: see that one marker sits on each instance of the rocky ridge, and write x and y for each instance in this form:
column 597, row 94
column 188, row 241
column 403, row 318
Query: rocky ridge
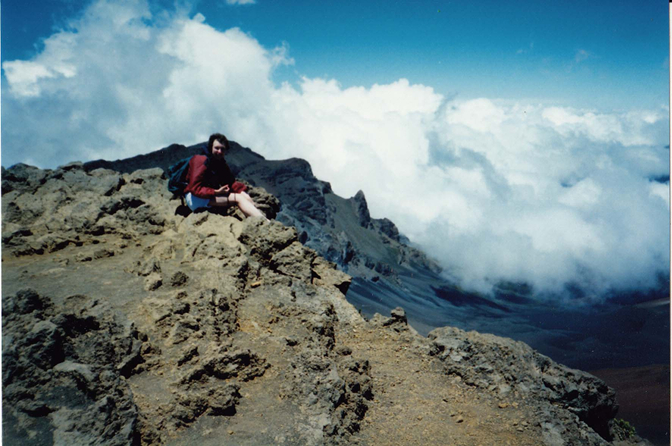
column 379, row 258
column 128, row 322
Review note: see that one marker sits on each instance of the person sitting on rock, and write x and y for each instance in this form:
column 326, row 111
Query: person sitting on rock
column 211, row 183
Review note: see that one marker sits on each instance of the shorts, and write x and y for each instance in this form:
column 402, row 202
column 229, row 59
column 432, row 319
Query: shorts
column 195, row 202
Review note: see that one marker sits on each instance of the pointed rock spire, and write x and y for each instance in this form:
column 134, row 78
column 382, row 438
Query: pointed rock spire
column 362, row 209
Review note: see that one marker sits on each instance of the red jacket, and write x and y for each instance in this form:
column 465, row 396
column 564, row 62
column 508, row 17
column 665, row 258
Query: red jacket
column 204, row 176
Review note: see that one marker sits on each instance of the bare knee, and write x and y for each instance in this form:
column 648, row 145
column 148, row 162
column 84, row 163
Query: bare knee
column 242, row 197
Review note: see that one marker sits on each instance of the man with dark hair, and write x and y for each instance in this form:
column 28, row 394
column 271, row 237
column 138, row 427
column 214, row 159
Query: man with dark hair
column 211, row 183
column 220, row 138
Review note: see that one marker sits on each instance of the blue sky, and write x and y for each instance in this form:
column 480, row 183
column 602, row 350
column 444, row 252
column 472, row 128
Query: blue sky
column 530, row 137
column 599, row 54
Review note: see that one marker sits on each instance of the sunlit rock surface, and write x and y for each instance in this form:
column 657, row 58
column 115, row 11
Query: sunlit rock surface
column 126, row 322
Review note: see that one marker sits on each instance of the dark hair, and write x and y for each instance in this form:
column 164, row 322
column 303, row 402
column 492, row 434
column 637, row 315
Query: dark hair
column 217, row 137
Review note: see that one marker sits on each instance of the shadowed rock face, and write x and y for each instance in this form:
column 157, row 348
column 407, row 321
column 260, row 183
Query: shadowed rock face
column 126, row 322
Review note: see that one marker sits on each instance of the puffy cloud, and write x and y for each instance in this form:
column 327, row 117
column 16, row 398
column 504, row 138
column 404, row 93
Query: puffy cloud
column 119, row 82
column 25, row 77
column 495, row 191
column 570, row 202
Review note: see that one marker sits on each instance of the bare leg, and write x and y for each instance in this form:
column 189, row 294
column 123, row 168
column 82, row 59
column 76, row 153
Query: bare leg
column 244, row 202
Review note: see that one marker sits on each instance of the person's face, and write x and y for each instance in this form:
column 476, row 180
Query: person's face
column 218, row 150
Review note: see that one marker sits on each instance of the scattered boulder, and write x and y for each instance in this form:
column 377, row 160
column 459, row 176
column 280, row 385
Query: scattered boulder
column 397, row 322
column 325, row 274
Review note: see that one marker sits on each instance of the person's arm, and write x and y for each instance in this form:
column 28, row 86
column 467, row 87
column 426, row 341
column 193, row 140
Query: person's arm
column 196, row 177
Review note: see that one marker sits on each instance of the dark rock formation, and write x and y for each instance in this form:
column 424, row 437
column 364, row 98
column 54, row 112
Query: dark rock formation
column 362, row 209
column 64, row 369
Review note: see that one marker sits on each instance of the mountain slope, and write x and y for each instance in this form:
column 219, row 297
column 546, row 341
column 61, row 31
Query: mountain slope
column 388, row 272
column 129, row 323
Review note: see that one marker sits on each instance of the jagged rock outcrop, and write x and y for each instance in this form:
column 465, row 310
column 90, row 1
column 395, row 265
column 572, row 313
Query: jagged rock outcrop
column 340, row 230
column 126, row 321
column 64, row 369
column 512, row 369
column 362, row 209
column 196, row 286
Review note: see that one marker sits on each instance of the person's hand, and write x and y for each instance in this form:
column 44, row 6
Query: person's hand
column 222, row 190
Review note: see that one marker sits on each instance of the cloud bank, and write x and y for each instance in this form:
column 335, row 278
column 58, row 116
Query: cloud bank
column 495, row 190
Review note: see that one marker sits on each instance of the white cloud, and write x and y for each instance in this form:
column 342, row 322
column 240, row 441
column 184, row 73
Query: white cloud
column 240, row 2
column 662, row 191
column 494, row 190
column 583, row 194
column 113, row 85
column 24, row 77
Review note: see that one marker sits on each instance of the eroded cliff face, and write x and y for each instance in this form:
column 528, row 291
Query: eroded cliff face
column 127, row 323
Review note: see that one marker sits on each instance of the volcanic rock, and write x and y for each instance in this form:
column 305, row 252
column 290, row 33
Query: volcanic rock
column 194, row 329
